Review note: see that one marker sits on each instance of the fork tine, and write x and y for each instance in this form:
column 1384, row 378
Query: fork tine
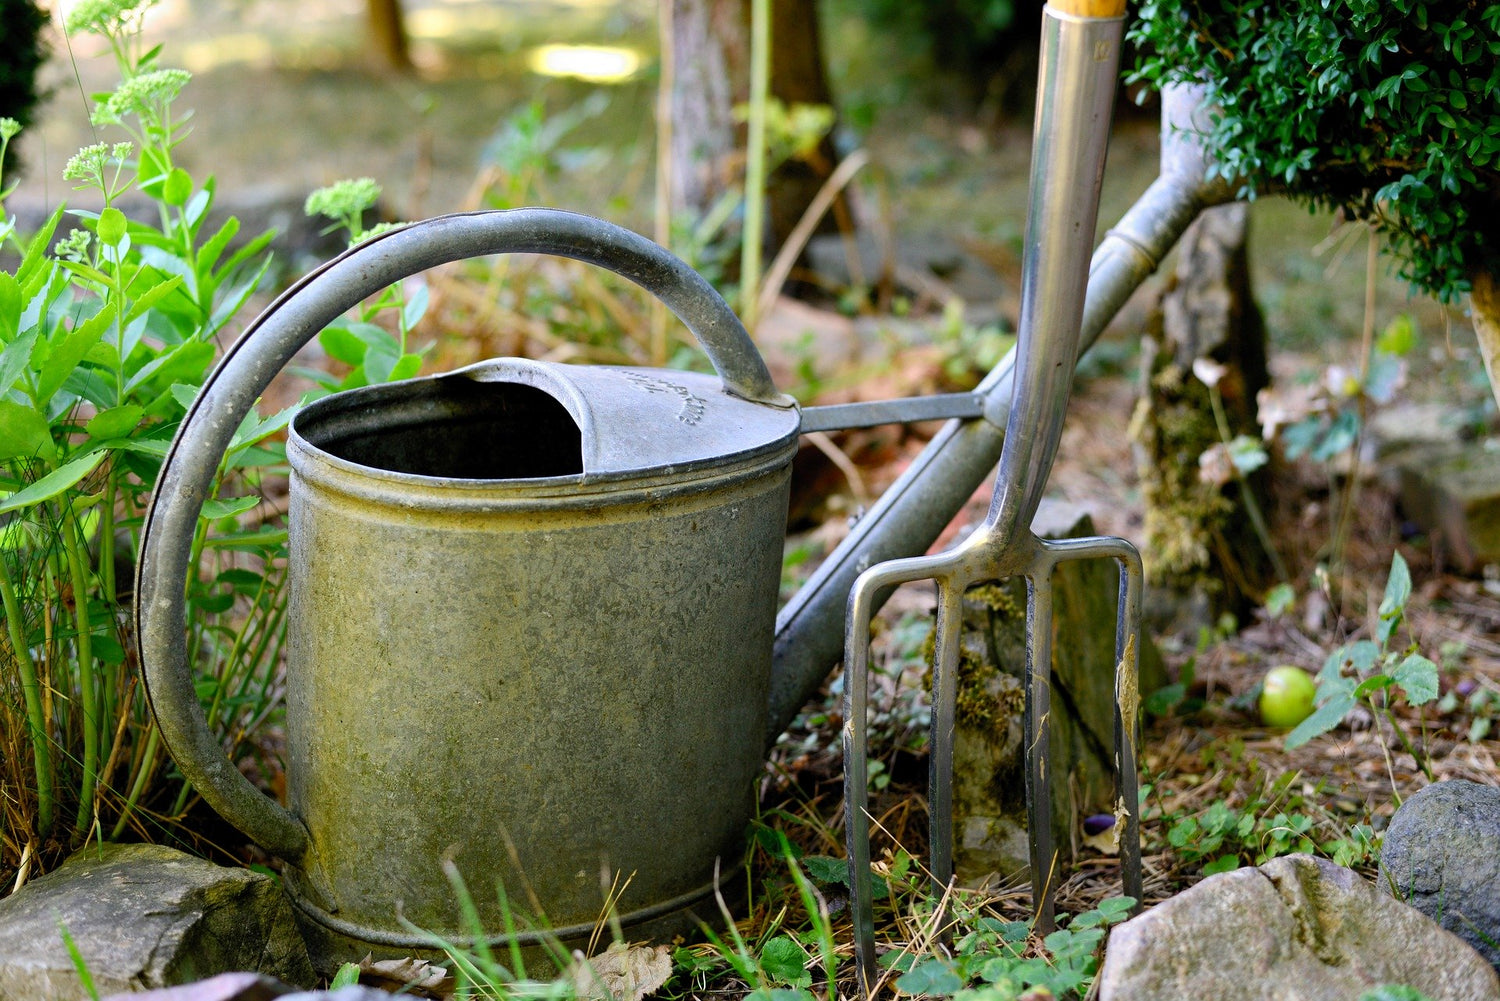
column 1127, row 717
column 940, row 751
column 1037, row 733
column 867, row 587
column 940, row 743
column 856, row 778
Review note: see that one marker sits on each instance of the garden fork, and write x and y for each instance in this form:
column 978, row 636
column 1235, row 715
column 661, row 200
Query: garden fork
column 1076, row 90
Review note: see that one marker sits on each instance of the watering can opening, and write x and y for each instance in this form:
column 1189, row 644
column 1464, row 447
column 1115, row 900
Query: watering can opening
column 456, row 428
column 533, row 428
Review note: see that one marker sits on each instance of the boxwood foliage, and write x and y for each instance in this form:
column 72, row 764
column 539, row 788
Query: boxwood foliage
column 1386, row 109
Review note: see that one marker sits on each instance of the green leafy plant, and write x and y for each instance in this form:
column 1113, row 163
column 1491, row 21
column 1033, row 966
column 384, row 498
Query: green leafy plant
column 969, row 352
column 1220, row 837
column 1380, row 108
column 104, row 339
column 1273, row 821
column 372, row 353
column 1480, row 701
column 1325, row 421
column 778, row 963
column 1371, row 671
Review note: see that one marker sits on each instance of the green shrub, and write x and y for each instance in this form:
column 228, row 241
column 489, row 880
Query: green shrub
column 1384, row 109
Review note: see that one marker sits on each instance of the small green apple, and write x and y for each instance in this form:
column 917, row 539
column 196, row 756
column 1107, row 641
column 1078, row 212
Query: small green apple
column 1286, row 696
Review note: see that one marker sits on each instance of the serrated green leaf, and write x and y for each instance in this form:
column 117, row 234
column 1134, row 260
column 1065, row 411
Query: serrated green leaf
column 15, row 358
column 186, row 363
column 149, row 298
column 785, row 962
column 65, row 355
column 931, row 977
column 827, row 870
column 1418, row 678
column 10, row 307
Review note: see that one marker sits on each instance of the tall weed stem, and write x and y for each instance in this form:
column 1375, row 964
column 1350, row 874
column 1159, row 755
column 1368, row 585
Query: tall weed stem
column 755, row 159
column 1252, row 506
column 36, row 719
column 87, row 674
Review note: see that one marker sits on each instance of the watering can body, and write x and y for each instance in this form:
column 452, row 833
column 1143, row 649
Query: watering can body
column 530, row 636
column 531, row 611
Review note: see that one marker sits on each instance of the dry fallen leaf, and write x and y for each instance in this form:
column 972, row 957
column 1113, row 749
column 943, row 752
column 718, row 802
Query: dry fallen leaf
column 413, row 974
column 623, row 972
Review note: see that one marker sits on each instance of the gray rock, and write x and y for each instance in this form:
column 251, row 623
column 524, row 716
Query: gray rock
column 1298, row 928
column 144, row 916
column 989, row 804
column 1441, row 854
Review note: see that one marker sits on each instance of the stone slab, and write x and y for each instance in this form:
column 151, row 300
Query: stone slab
column 1298, row 928
column 144, row 916
column 1452, row 491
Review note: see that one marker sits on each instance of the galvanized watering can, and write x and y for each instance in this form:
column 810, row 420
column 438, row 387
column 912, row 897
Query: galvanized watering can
column 531, row 610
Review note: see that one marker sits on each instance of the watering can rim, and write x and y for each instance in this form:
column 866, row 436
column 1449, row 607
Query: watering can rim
column 625, row 443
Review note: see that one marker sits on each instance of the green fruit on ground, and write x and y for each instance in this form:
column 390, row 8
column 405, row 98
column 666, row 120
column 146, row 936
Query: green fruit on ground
column 1286, row 696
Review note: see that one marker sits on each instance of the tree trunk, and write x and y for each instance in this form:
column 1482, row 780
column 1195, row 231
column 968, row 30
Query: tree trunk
column 797, row 77
column 710, row 57
column 1484, row 305
column 388, row 34
column 1199, row 539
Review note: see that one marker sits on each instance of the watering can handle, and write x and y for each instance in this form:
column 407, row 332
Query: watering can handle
column 270, row 342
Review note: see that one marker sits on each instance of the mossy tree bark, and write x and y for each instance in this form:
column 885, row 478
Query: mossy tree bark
column 1198, row 539
column 1484, row 306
